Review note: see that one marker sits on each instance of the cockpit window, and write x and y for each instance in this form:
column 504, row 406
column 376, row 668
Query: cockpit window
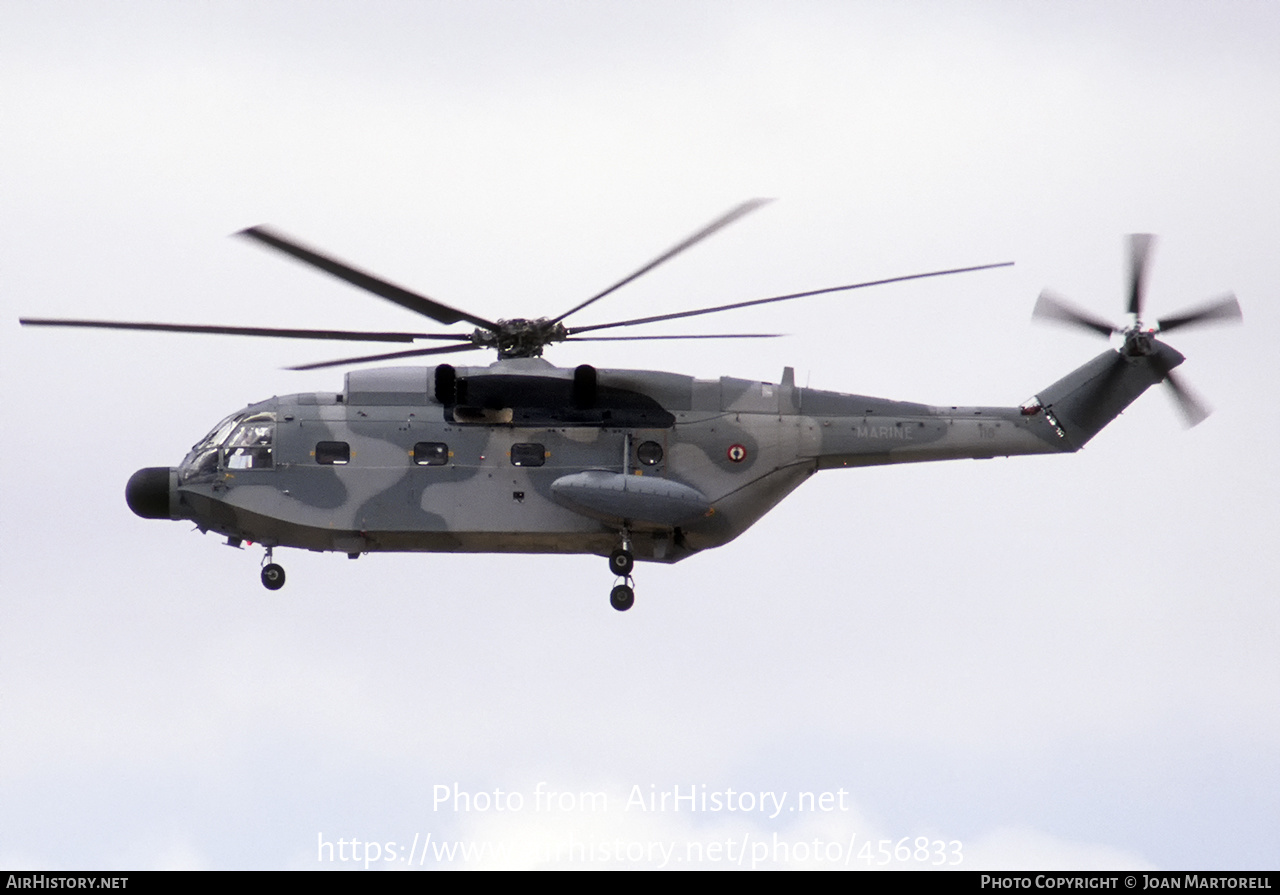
column 219, row 432
column 202, row 462
column 249, row 446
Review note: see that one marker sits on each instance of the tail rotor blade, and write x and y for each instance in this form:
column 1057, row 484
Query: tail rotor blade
column 1194, row 411
column 1139, row 252
column 1221, row 310
column 1053, row 307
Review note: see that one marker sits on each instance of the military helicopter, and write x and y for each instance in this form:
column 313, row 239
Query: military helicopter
column 521, row 456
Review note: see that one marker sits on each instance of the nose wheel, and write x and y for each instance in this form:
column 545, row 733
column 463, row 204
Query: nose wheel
column 272, row 576
column 272, row 573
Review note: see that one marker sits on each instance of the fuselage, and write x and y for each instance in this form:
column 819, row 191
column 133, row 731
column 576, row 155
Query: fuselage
column 522, row 456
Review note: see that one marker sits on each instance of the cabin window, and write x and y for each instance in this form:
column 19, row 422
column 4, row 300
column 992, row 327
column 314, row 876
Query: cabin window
column 333, row 453
column 649, row 453
column 249, row 446
column 528, row 455
column 431, row 453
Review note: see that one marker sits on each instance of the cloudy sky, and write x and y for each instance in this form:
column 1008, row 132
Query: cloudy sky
column 1051, row 662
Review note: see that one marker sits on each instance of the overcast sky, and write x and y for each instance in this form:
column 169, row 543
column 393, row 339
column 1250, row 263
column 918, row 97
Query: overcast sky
column 1056, row 662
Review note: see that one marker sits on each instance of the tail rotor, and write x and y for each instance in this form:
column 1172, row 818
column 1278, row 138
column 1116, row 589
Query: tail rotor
column 1138, row 340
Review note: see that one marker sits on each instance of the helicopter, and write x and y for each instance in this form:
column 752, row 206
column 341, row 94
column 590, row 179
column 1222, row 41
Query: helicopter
column 521, row 456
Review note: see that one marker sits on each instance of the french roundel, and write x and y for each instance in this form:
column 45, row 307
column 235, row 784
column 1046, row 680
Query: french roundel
column 737, row 453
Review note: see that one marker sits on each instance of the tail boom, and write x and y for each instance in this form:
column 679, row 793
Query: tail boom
column 1060, row 419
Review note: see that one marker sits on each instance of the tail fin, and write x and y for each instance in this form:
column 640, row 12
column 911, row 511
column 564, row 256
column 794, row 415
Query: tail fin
column 1086, row 399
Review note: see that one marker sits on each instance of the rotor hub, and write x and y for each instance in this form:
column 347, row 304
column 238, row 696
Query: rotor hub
column 1138, row 342
column 519, row 337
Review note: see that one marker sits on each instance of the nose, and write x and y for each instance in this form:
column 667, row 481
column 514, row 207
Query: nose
column 148, row 492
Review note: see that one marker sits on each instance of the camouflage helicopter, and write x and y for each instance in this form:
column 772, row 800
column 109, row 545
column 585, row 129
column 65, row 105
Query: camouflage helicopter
column 521, row 456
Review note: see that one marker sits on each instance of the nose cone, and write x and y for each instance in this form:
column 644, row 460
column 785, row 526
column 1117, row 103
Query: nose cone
column 148, row 492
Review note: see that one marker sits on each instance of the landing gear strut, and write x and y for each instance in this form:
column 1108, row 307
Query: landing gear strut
column 272, row 573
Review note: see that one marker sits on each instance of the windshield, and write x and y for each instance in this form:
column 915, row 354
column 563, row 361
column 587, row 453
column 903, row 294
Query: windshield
column 218, row 432
column 202, row 461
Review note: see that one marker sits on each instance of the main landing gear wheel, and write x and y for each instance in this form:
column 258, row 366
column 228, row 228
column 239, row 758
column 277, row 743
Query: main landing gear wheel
column 272, row 576
column 622, row 597
column 621, row 562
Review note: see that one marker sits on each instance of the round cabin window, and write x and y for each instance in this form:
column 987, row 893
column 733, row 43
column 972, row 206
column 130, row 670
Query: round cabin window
column 649, row 453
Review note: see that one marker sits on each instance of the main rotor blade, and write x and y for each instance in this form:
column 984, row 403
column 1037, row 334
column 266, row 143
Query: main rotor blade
column 395, row 355
column 655, row 338
column 723, row 221
column 1194, row 411
column 343, row 335
column 1139, row 252
column 419, row 304
column 1222, row 309
column 764, row 301
column 1050, row 306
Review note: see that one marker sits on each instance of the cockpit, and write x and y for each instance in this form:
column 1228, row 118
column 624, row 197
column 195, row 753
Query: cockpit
column 241, row 441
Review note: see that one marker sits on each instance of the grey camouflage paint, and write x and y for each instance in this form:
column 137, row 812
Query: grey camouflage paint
column 734, row 448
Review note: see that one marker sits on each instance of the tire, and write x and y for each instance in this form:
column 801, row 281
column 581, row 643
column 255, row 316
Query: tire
column 621, row 562
column 272, row 576
column 622, row 597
